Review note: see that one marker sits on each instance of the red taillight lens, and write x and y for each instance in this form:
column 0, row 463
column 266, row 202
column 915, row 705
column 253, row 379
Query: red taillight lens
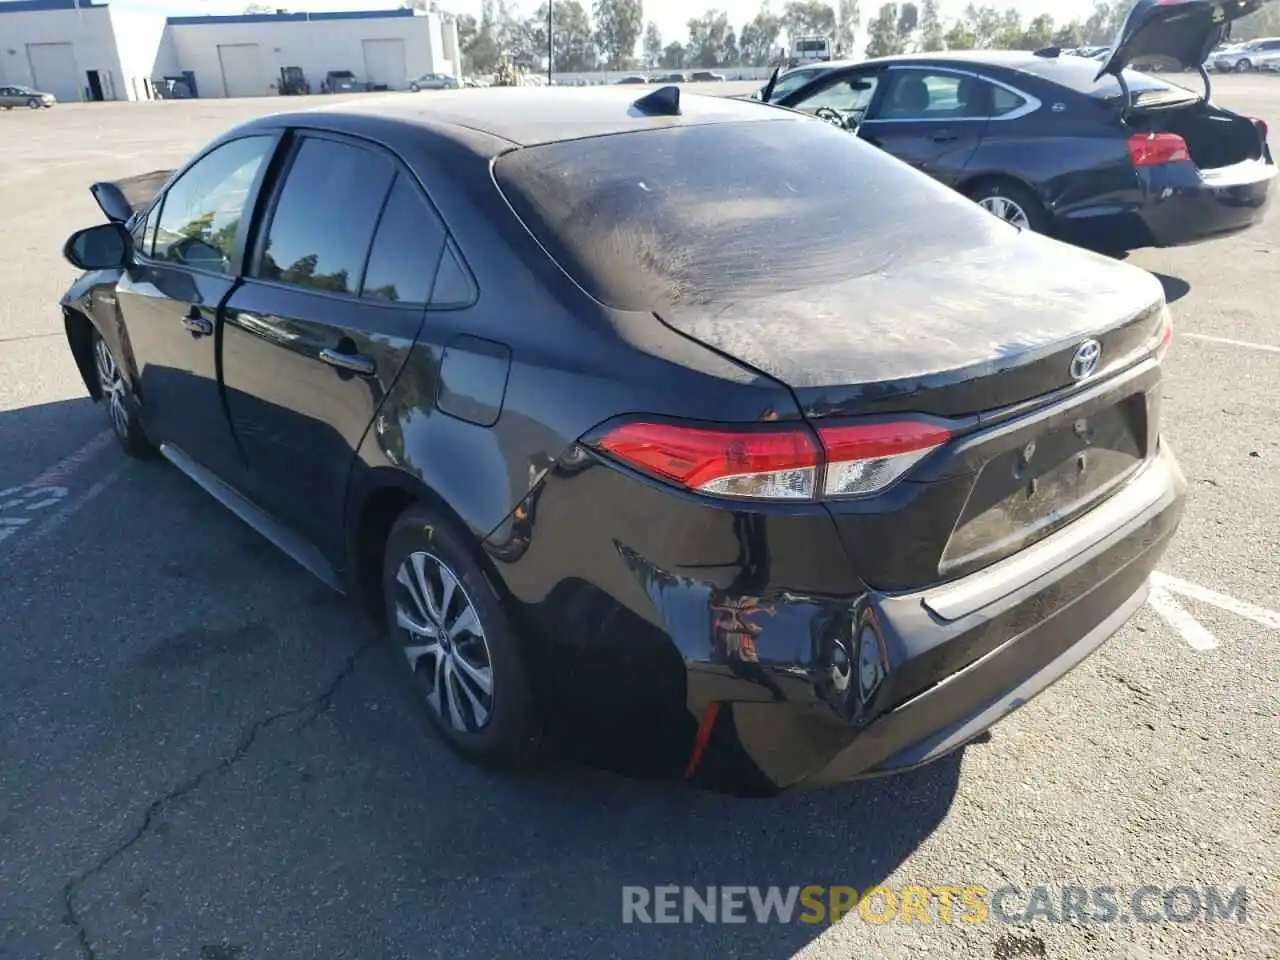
column 865, row 458
column 772, row 464
column 1153, row 149
column 1261, row 124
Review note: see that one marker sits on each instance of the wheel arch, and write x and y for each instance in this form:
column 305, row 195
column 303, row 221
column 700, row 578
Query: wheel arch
column 374, row 504
column 971, row 183
column 80, row 329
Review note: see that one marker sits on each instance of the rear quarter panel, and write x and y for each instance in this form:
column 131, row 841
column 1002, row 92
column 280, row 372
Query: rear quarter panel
column 1071, row 153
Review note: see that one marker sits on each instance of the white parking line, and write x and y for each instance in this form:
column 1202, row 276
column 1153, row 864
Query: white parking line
column 21, row 506
column 1265, row 347
column 1184, row 623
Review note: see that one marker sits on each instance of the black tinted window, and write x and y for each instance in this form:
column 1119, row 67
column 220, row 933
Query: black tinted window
column 689, row 215
column 202, row 211
column 323, row 222
column 406, row 248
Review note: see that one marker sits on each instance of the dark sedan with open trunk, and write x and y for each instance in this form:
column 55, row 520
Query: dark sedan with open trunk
column 684, row 426
column 1087, row 151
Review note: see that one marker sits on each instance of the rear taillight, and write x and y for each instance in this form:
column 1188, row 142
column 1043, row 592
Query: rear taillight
column 1153, row 149
column 776, row 464
column 1165, row 334
column 1262, row 127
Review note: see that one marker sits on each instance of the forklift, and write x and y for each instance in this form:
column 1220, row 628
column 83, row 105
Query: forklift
column 293, row 82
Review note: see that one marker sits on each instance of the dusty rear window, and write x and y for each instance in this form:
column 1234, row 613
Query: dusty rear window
column 705, row 214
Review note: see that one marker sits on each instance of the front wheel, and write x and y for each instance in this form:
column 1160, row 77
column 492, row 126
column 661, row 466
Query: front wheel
column 448, row 628
column 414, row 88
column 34, row 103
column 122, row 409
column 1244, row 66
column 1012, row 203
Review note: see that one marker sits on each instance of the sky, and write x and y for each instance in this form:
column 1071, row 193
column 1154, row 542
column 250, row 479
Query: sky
column 672, row 16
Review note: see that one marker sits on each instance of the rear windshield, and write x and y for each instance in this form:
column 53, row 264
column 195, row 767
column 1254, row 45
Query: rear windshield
column 1077, row 73
column 730, row 211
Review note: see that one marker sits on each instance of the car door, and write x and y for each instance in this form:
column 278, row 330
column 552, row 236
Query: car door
column 930, row 117
column 315, row 337
column 185, row 265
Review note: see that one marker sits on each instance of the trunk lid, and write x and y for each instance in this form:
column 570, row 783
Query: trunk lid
column 1185, row 31
column 991, row 321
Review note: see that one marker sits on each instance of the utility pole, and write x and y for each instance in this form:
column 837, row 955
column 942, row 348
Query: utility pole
column 550, row 42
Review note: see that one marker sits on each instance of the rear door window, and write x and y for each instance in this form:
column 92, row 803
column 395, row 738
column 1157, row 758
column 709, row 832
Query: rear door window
column 406, row 249
column 932, row 95
column 324, row 218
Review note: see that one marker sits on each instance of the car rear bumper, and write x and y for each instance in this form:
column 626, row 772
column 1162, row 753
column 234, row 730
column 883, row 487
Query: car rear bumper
column 1220, row 202
column 1051, row 606
column 1176, row 206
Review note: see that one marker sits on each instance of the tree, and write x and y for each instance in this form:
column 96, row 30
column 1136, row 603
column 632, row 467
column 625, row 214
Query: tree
column 960, row 37
column 482, row 50
column 1069, row 35
column 883, row 38
column 808, row 18
column 931, row 35
column 673, row 56
column 1104, row 22
column 1039, row 33
column 572, row 45
column 759, row 38
column 848, row 16
column 708, row 40
column 652, row 45
column 908, row 20
column 619, row 24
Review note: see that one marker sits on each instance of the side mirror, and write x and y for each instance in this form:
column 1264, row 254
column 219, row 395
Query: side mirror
column 104, row 247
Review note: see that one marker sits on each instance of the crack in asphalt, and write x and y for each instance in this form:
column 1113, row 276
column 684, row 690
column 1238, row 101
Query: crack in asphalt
column 313, row 707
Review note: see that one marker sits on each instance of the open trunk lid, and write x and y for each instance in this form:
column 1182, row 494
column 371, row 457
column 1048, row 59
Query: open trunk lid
column 1185, row 31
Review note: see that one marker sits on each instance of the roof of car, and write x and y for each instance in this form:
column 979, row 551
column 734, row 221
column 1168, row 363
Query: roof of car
column 532, row 115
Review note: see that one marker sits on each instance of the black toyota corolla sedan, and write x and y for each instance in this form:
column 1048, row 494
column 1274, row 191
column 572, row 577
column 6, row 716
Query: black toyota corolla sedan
column 691, row 424
column 1087, row 151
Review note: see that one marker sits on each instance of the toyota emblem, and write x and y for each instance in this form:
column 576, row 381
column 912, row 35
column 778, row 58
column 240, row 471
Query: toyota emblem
column 1084, row 362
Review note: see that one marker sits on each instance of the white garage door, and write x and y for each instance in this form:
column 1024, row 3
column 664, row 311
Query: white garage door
column 54, row 70
column 242, row 74
column 384, row 63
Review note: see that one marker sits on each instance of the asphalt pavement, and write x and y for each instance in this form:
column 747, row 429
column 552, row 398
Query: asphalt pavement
column 204, row 754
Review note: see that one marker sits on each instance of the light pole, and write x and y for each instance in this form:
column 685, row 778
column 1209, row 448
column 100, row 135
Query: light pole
column 550, row 4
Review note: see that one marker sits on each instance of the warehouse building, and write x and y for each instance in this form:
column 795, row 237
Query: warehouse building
column 108, row 51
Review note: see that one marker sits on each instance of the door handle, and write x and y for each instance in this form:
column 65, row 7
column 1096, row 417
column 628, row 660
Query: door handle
column 355, row 362
column 944, row 136
column 198, row 325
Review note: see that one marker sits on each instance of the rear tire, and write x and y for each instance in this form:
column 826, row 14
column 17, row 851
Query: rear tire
column 414, row 88
column 122, row 407
column 448, row 628
column 1012, row 203
column 1244, row 66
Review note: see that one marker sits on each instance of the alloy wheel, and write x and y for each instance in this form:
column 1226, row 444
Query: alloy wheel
column 446, row 646
column 111, row 382
column 1007, row 210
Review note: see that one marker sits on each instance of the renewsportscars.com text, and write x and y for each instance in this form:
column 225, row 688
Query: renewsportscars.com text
column 942, row 903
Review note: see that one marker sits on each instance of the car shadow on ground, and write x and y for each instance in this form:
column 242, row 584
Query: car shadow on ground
column 245, row 770
column 1175, row 288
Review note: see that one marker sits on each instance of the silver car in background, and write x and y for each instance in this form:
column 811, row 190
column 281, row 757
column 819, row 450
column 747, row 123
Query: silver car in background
column 433, row 81
column 16, row 95
column 1245, row 57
